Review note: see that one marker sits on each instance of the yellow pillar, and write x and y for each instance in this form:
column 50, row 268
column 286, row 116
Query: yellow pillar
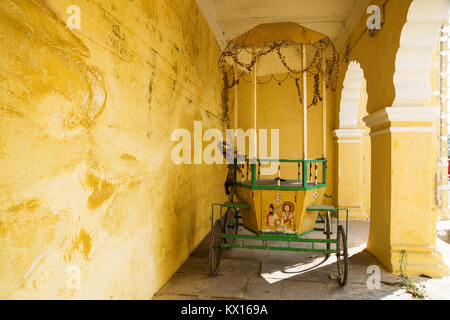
column 350, row 166
column 402, row 193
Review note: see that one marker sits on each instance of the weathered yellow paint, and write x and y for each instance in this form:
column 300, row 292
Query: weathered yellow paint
column 86, row 178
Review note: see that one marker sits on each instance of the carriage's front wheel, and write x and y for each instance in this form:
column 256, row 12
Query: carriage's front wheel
column 215, row 250
column 342, row 257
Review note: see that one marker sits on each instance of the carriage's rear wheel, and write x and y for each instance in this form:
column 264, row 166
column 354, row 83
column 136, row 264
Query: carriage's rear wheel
column 230, row 225
column 215, row 250
column 328, row 232
column 342, row 257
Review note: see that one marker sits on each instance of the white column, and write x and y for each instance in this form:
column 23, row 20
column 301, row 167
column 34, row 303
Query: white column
column 324, row 107
column 236, row 98
column 254, row 101
column 305, row 106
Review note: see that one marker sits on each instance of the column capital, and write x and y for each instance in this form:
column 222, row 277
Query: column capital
column 348, row 135
column 402, row 119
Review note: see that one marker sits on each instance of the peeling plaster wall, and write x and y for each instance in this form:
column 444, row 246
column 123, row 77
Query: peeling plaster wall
column 86, row 178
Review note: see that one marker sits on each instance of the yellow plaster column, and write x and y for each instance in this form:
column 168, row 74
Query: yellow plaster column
column 402, row 189
column 350, row 166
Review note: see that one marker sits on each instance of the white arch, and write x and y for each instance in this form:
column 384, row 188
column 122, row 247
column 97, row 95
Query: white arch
column 351, row 93
column 413, row 61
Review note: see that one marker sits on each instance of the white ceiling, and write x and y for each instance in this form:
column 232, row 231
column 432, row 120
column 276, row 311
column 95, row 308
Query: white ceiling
column 335, row 18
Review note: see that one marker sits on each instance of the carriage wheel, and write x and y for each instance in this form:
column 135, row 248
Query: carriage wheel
column 342, row 257
column 215, row 250
column 328, row 232
column 230, row 225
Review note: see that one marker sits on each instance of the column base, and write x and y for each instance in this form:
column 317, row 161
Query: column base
column 443, row 214
column 420, row 261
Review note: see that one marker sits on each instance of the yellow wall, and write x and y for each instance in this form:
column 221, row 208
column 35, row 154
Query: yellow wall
column 86, row 116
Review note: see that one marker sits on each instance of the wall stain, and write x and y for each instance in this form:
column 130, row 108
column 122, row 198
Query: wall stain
column 94, row 103
column 102, row 191
column 83, row 244
column 117, row 41
column 11, row 111
column 30, row 205
column 128, row 157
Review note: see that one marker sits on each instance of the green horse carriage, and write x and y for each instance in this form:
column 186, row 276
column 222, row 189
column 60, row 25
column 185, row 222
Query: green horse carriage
column 280, row 214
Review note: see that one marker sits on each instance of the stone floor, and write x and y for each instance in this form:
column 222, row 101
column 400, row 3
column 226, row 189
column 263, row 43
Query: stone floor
column 269, row 275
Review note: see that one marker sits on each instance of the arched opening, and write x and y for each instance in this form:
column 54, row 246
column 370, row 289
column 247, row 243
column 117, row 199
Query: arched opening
column 414, row 57
column 354, row 156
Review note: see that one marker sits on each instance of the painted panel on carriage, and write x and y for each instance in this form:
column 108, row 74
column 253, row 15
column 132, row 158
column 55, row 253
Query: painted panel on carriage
column 279, row 210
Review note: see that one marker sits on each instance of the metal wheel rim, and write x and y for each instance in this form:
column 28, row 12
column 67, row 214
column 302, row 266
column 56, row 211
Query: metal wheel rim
column 215, row 250
column 328, row 232
column 342, row 257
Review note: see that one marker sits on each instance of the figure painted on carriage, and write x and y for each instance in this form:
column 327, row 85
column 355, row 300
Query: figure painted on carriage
column 287, row 217
column 272, row 218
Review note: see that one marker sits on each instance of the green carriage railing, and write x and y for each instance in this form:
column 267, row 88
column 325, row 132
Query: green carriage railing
column 306, row 168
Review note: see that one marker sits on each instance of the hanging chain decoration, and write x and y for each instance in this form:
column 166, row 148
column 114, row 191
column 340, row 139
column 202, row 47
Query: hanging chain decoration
column 299, row 91
column 225, row 96
column 316, row 91
column 324, row 47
